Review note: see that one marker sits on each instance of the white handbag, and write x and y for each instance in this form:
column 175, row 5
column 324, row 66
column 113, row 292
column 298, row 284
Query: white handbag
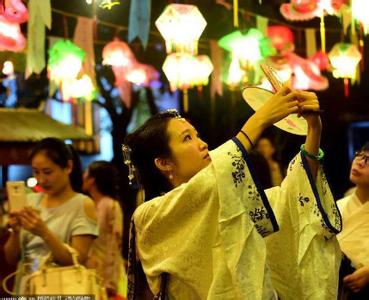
column 69, row 280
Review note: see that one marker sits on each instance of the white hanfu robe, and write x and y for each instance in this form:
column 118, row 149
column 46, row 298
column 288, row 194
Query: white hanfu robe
column 207, row 234
column 354, row 238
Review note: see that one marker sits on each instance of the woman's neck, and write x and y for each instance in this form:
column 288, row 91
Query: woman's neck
column 362, row 193
column 96, row 195
column 53, row 200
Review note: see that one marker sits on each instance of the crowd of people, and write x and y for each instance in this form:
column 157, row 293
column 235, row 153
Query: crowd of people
column 209, row 228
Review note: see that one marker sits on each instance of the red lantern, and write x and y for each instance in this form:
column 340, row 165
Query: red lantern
column 282, row 38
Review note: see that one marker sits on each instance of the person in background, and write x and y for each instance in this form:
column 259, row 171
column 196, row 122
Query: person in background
column 354, row 237
column 58, row 216
column 266, row 147
column 100, row 181
column 209, row 231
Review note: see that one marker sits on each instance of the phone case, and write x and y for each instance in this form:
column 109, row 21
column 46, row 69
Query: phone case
column 16, row 195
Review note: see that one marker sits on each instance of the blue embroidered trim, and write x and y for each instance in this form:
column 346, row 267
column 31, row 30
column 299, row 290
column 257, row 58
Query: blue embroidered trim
column 317, row 198
column 264, row 198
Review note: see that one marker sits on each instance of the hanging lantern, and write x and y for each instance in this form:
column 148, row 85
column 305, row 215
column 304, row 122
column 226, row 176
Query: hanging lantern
column 344, row 58
column 258, row 47
column 282, row 38
column 117, row 53
column 321, row 60
column 142, row 75
column 181, row 26
column 179, row 69
column 304, row 10
column 11, row 37
column 360, row 12
column 14, row 11
column 203, row 70
column 306, row 74
column 65, row 61
column 235, row 74
column 79, row 88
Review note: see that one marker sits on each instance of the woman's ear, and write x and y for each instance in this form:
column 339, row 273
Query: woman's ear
column 163, row 164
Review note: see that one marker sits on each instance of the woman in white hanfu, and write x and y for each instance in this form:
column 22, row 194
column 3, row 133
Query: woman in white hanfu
column 354, row 237
column 209, row 230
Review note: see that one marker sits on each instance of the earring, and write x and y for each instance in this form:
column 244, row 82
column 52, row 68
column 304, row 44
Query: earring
column 170, row 175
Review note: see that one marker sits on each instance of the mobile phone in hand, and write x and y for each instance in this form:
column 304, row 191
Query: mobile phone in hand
column 16, row 195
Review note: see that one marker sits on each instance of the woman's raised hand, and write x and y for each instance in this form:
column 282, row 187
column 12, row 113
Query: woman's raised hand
column 279, row 106
column 308, row 103
column 31, row 221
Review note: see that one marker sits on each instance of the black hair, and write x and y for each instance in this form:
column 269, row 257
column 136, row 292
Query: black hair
column 365, row 147
column 148, row 142
column 60, row 153
column 106, row 177
column 261, row 168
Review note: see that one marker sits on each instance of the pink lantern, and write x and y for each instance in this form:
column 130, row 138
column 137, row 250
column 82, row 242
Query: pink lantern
column 304, row 10
column 14, row 11
column 321, row 60
column 11, row 37
column 118, row 53
column 181, row 26
column 306, row 74
column 142, row 75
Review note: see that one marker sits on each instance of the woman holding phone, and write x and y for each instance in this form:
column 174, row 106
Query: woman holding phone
column 59, row 215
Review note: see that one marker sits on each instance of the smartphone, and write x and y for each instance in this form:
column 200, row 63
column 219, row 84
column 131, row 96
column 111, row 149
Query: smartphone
column 16, row 195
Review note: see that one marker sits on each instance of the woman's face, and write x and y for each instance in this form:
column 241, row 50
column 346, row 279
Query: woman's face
column 265, row 147
column 359, row 174
column 189, row 154
column 87, row 182
column 50, row 176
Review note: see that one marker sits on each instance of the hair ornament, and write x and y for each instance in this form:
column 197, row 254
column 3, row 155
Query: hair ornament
column 128, row 162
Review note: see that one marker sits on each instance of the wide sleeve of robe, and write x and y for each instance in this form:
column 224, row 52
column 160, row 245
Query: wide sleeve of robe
column 201, row 233
column 304, row 256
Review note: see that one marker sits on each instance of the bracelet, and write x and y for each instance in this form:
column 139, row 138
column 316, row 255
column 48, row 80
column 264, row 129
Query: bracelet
column 247, row 137
column 318, row 157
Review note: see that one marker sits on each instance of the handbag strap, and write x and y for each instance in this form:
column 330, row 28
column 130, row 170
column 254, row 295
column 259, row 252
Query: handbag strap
column 5, row 280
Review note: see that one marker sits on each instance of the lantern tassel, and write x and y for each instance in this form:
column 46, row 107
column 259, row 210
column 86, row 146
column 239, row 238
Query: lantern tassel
column 322, row 33
column 361, row 47
column 346, row 87
column 235, row 13
column 185, row 101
